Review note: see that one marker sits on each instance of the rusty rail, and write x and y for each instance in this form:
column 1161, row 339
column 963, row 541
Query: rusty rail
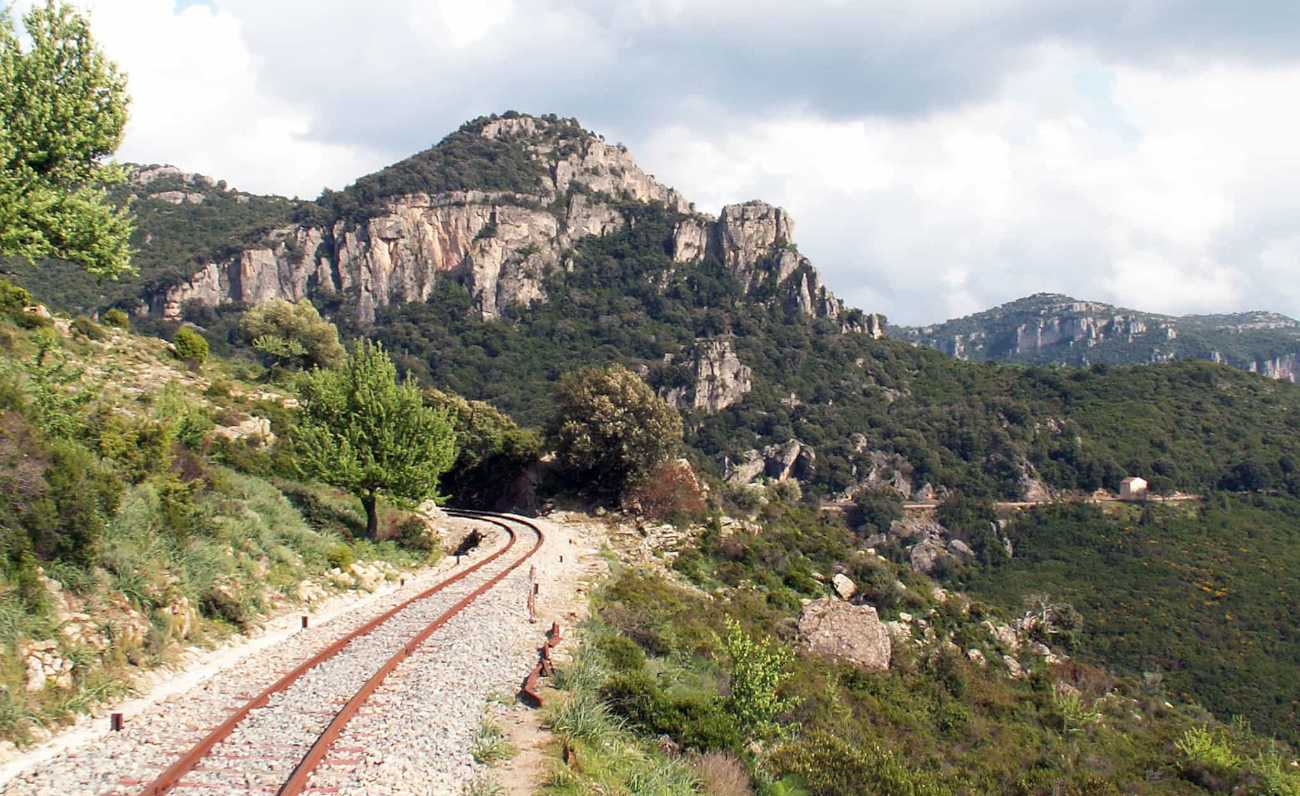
column 298, row 780
column 169, row 778
column 533, row 682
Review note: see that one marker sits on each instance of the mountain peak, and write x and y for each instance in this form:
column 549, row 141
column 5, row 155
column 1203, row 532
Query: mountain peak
column 1056, row 328
column 499, row 206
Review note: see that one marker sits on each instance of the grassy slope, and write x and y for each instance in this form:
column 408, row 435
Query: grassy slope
column 192, row 527
column 651, row 665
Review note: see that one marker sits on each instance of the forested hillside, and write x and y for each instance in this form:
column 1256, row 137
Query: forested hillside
column 980, row 428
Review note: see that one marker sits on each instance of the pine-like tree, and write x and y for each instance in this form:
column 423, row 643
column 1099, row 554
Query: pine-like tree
column 62, row 111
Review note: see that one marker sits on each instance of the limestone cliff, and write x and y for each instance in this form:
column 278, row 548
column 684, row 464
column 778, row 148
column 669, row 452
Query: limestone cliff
column 720, row 379
column 501, row 244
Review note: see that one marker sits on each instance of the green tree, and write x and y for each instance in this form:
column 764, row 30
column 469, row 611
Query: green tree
column 610, row 428
column 758, row 668
column 62, row 110
column 292, row 334
column 362, row 431
column 493, row 449
column 878, row 509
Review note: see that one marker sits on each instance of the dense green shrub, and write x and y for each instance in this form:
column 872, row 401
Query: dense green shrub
column 140, row 447
column 68, row 523
column 191, row 347
column 831, row 766
column 609, row 428
column 758, row 667
column 117, row 318
column 340, row 556
column 292, row 335
column 877, row 510
column 13, row 299
column 87, row 328
column 491, row 449
column 694, row 719
column 1188, row 594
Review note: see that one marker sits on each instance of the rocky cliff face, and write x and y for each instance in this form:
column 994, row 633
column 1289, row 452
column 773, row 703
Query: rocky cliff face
column 720, row 378
column 1047, row 328
column 502, row 244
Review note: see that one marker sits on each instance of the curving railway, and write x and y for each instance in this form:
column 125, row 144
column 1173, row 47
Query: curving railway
column 309, row 730
column 275, row 742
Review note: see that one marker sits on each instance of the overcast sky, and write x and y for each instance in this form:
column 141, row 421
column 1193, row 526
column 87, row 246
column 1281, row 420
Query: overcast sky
column 938, row 156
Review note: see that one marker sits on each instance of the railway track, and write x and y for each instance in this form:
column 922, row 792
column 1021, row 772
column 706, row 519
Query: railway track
column 278, row 740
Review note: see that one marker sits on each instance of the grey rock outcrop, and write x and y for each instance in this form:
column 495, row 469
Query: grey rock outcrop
column 844, row 586
column 501, row 246
column 849, row 632
column 778, row 462
column 720, row 378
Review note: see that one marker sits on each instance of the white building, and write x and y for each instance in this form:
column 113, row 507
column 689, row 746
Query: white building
column 1133, row 488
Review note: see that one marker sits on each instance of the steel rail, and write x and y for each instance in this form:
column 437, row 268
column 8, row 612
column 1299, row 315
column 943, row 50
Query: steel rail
column 173, row 774
column 297, row 781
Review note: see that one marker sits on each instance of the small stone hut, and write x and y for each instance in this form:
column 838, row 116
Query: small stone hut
column 1133, row 488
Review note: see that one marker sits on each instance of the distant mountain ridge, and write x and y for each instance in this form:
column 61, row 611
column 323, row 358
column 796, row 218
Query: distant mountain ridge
column 1054, row 328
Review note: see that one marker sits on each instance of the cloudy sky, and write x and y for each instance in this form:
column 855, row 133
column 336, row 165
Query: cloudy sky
column 939, row 156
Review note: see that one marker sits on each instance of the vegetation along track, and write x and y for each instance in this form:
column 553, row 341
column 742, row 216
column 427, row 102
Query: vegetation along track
column 274, row 742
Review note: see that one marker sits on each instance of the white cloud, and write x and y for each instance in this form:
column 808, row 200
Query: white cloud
column 199, row 100
column 1143, row 204
column 938, row 160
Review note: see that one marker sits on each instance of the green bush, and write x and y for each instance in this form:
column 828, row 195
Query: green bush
column 695, row 720
column 340, row 556
column 292, row 335
column 758, row 668
column 412, row 534
column 831, row 766
column 138, row 446
column 622, row 653
column 87, row 328
column 13, row 299
column 117, row 318
column 191, row 347
column 68, row 522
column 877, row 509
column 610, row 428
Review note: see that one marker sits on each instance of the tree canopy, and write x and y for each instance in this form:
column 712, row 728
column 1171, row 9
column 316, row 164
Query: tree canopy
column 63, row 106
column 362, row 431
column 292, row 334
column 609, row 427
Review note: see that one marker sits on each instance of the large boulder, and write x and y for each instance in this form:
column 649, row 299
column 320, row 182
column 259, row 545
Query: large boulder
column 844, row 586
column 927, row 555
column 850, row 632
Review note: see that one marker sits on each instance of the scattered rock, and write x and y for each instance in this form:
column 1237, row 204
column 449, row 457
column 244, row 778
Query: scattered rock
column 309, row 592
column 1013, row 665
column 1004, row 635
column 44, row 665
column 844, row 586
column 927, row 555
column 960, row 548
column 976, row 657
column 850, row 632
column 254, row 429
